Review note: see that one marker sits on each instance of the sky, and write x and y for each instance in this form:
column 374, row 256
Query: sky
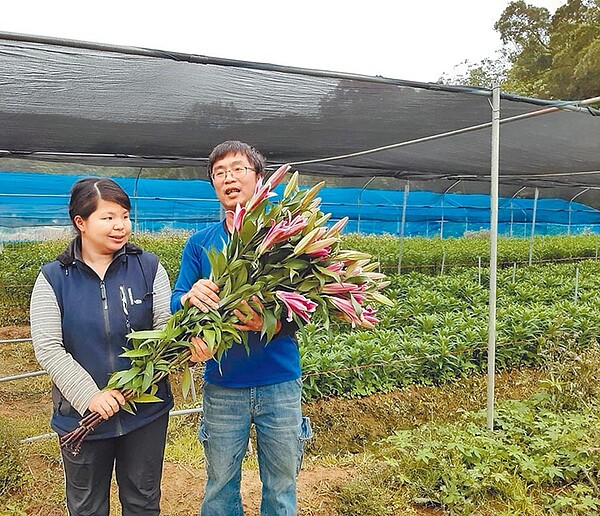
column 415, row 40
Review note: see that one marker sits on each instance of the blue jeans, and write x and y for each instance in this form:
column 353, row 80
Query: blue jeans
column 281, row 432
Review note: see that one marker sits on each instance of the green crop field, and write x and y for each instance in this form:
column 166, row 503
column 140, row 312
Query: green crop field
column 420, row 374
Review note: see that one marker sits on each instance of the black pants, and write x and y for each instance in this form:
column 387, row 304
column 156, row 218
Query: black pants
column 138, row 460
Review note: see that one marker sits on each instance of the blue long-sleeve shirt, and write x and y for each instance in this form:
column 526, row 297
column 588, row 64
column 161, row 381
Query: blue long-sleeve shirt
column 266, row 364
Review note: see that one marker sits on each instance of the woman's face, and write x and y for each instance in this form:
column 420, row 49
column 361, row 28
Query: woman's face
column 106, row 230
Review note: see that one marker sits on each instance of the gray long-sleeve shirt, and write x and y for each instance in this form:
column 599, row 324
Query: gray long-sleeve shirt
column 73, row 381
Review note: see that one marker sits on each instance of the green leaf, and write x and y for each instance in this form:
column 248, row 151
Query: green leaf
column 209, row 337
column 129, row 407
column 186, row 381
column 248, row 229
column 136, row 353
column 129, row 375
column 380, row 298
column 146, row 334
column 148, row 375
column 146, row 398
column 269, row 324
column 326, row 272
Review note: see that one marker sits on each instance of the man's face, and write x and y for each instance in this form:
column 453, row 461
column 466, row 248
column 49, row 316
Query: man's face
column 234, row 180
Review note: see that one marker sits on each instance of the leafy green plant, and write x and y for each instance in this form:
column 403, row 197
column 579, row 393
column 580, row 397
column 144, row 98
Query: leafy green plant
column 12, row 472
column 464, row 467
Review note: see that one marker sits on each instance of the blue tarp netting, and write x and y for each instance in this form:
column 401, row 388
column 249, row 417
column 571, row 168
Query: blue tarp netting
column 40, row 200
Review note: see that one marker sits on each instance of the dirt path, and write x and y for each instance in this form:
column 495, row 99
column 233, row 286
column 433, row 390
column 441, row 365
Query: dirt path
column 183, row 488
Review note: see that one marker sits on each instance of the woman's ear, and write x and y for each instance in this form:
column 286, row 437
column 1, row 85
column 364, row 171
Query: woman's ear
column 78, row 221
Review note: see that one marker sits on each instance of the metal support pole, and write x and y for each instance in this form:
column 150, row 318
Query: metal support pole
column 135, row 201
column 495, row 160
column 21, row 376
column 570, row 209
column 535, row 201
column 404, row 202
column 360, row 203
column 443, row 197
column 512, row 209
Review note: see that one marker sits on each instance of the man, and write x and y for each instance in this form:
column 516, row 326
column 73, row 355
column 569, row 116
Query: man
column 262, row 387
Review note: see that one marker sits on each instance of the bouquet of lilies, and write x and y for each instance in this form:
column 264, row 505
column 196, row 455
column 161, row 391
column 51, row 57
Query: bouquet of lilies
column 284, row 262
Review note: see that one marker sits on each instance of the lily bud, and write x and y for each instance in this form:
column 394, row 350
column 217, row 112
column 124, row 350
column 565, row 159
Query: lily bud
column 277, row 176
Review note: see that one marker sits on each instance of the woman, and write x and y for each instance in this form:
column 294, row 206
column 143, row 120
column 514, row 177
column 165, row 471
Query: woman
column 83, row 305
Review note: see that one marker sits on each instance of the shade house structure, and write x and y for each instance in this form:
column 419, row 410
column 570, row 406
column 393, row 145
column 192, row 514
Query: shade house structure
column 70, row 105
column 75, row 106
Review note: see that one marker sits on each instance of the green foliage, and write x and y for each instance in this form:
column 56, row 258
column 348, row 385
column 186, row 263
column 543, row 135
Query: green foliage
column 20, row 262
column 556, row 56
column 543, row 55
column 572, row 377
column 182, row 441
column 464, row 468
column 12, row 472
column 168, row 248
column 540, row 458
column 437, row 329
column 428, row 254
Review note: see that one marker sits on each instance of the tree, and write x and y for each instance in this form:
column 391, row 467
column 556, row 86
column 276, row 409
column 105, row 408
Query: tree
column 481, row 75
column 544, row 56
column 575, row 44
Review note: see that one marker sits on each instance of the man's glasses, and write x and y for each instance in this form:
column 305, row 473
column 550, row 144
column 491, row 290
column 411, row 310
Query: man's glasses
column 236, row 173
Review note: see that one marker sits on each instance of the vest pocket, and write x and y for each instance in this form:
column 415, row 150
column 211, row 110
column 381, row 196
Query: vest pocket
column 61, row 405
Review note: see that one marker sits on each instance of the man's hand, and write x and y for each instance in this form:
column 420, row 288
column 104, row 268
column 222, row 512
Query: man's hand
column 204, row 294
column 200, row 350
column 250, row 319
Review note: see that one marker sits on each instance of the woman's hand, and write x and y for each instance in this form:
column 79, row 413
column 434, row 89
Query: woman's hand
column 200, row 350
column 107, row 403
column 204, row 294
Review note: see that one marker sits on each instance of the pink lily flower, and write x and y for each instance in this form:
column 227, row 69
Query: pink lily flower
column 321, row 253
column 368, row 318
column 337, row 227
column 318, row 245
column 307, row 239
column 261, row 192
column 277, row 176
column 282, row 231
column 297, row 303
column 335, row 267
column 238, row 217
column 346, row 309
column 341, row 288
column 359, row 297
column 373, row 276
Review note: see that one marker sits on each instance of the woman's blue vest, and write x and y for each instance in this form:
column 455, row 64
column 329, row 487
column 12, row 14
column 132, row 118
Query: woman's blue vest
column 96, row 316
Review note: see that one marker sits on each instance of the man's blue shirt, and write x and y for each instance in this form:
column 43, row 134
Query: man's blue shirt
column 266, row 364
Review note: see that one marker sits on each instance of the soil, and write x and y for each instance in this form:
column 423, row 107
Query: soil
column 342, row 428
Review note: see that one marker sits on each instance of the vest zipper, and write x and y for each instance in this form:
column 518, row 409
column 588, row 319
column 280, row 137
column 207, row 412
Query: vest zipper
column 105, row 306
column 117, row 416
